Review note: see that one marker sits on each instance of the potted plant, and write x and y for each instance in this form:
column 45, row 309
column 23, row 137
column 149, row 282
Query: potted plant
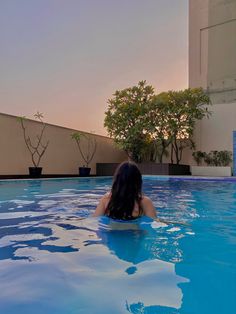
column 198, row 156
column 36, row 148
column 91, row 146
column 218, row 163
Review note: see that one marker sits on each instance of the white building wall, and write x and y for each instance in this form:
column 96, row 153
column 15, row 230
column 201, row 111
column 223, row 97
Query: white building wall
column 212, row 65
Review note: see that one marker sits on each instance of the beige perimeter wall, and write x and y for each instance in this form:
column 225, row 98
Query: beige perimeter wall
column 62, row 155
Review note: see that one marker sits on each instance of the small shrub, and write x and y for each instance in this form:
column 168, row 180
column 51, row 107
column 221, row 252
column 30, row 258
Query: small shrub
column 198, row 156
column 216, row 158
column 225, row 157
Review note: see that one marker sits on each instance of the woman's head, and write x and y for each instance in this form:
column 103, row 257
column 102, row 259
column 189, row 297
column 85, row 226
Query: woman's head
column 126, row 191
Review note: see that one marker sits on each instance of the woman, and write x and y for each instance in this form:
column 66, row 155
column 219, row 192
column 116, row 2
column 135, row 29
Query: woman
column 126, row 201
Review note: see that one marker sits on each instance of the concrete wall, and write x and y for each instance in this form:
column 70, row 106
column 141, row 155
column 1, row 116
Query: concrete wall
column 216, row 133
column 212, row 65
column 198, row 43
column 212, row 48
column 62, row 155
column 222, row 50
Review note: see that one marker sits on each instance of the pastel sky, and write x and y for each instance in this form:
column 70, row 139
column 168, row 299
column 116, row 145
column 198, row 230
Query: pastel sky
column 65, row 58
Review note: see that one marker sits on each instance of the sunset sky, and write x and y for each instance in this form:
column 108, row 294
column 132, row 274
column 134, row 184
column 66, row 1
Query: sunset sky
column 65, row 58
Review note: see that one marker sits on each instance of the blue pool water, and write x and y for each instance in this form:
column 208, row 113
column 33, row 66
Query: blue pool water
column 52, row 260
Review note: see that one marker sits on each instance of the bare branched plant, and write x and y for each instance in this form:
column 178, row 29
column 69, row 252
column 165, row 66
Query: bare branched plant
column 91, row 146
column 36, row 148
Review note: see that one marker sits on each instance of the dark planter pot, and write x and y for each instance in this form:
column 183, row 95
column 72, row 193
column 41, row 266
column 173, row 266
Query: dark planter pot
column 84, row 171
column 106, row 169
column 164, row 169
column 149, row 168
column 35, row 172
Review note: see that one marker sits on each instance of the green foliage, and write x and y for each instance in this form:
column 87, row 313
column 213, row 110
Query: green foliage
column 158, row 122
column 89, row 142
column 218, row 158
column 213, row 158
column 145, row 125
column 20, row 119
column 77, row 136
column 198, row 156
column 184, row 108
column 38, row 148
column 126, row 119
column 171, row 120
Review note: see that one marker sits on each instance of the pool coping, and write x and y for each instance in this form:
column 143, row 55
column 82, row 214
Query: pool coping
column 53, row 178
column 159, row 178
column 196, row 178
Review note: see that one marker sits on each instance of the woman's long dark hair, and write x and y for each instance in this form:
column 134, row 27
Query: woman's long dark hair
column 126, row 191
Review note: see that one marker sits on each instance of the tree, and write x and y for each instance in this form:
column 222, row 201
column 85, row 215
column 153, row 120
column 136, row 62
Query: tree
column 125, row 119
column 158, row 126
column 146, row 125
column 171, row 120
column 186, row 107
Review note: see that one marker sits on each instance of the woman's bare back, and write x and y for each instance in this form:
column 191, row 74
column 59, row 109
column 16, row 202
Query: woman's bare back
column 146, row 205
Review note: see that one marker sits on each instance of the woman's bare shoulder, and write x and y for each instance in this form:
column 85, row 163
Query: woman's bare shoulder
column 106, row 197
column 145, row 200
column 148, row 207
column 101, row 208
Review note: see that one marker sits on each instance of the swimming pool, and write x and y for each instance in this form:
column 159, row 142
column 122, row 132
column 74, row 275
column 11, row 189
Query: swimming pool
column 54, row 261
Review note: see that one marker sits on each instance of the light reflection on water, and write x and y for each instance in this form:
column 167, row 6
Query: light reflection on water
column 54, row 258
